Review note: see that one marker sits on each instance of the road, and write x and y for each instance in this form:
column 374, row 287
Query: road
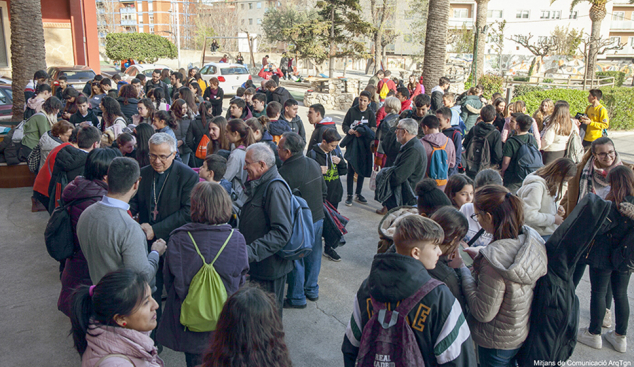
column 33, row 332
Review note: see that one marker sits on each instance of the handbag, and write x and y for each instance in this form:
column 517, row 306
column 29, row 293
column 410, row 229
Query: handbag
column 373, row 179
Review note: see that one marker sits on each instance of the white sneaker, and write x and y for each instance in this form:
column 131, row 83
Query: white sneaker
column 607, row 319
column 619, row 342
column 591, row 340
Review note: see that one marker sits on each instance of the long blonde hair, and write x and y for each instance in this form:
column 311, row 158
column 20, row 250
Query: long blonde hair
column 541, row 116
column 560, row 119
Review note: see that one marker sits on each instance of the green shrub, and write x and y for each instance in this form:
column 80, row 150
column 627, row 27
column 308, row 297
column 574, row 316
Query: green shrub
column 139, row 46
column 492, row 84
column 618, row 101
column 520, row 90
column 521, row 78
column 548, row 80
column 619, row 76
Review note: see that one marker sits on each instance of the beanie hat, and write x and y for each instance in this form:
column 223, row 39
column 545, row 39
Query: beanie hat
column 430, row 197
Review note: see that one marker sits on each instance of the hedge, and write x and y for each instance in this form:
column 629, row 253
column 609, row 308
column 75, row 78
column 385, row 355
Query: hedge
column 619, row 76
column 618, row 101
column 139, row 46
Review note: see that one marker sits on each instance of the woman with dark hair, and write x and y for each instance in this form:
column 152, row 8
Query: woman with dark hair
column 194, row 87
column 59, row 134
column 187, row 95
column 96, row 93
column 477, row 236
column 70, row 102
column 125, row 144
column 180, row 114
column 113, row 319
column 191, row 74
column 259, row 126
column 500, row 291
column 414, row 87
column 128, row 101
column 608, row 265
column 163, row 122
column 165, row 76
column 241, row 136
column 89, row 188
column 145, row 110
column 208, row 239
column 201, row 83
column 157, row 96
column 112, row 117
column 541, row 191
column 501, row 113
column 199, row 128
column 250, row 333
column 459, row 190
column 143, row 133
column 215, row 95
column 38, row 124
column 455, row 226
column 219, row 143
column 430, row 197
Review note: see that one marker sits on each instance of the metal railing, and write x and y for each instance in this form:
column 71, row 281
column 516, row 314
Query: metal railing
column 570, row 83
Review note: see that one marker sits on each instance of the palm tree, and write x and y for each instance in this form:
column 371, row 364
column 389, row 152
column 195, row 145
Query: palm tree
column 27, row 48
column 481, row 22
column 435, row 43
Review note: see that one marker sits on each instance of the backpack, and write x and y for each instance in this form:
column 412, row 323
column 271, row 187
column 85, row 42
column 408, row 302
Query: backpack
column 58, row 235
column 528, row 160
column 439, row 164
column 34, row 159
column 388, row 339
column 303, row 232
column 28, row 112
column 18, row 132
column 384, row 90
column 574, row 147
column 478, row 156
column 622, row 256
column 206, row 295
column 201, row 150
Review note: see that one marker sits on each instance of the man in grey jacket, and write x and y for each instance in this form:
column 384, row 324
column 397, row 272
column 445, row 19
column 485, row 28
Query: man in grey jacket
column 266, row 221
column 108, row 236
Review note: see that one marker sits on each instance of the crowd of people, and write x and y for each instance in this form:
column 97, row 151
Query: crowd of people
column 161, row 186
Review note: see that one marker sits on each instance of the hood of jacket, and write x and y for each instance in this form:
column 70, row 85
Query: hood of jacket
column 81, row 187
column 325, row 121
column 391, row 119
column 281, row 91
column 278, row 127
column 533, row 179
column 35, row 103
column 71, row 158
column 482, row 128
column 105, row 340
column 522, row 260
column 266, row 136
column 394, row 277
column 294, row 120
column 48, row 142
column 132, row 101
column 436, row 140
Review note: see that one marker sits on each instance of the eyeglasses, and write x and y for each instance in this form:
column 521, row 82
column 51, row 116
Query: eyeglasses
column 163, row 158
column 399, row 129
column 605, row 155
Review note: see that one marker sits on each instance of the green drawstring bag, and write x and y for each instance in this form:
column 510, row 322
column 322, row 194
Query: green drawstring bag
column 206, row 297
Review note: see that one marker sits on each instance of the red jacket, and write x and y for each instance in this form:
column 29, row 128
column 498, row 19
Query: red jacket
column 390, row 86
column 266, row 75
column 406, row 105
column 44, row 176
column 417, row 90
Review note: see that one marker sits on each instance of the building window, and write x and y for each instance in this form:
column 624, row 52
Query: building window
column 250, row 5
column 618, row 15
column 258, row 5
column 461, row 13
column 250, row 21
column 151, row 17
column 139, row 7
column 573, row 15
column 522, row 14
column 556, row 14
column 259, row 21
column 614, row 41
column 545, row 14
column 151, row 29
column 279, row 4
column 495, row 14
column 242, row 6
column 150, row 6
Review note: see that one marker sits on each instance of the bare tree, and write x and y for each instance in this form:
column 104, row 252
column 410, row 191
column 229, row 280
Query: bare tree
column 592, row 47
column 219, row 20
column 542, row 47
column 381, row 12
column 105, row 17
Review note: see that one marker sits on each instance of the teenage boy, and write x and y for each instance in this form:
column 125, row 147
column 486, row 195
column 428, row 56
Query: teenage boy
column 403, row 95
column 452, row 132
column 358, row 124
column 484, row 130
column 277, row 93
column 385, row 80
column 248, row 98
column 509, row 170
column 438, row 91
column 175, row 83
column 136, row 83
column 317, row 118
column 117, row 79
column 62, row 84
column 213, row 170
column 434, row 139
column 292, row 119
column 34, row 105
column 449, row 101
column 330, row 158
column 442, row 334
column 84, row 115
column 596, row 119
column 259, row 105
column 276, row 126
column 238, row 110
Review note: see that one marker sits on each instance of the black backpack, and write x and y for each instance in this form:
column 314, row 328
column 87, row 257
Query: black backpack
column 478, row 154
column 527, row 159
column 554, row 318
column 59, row 231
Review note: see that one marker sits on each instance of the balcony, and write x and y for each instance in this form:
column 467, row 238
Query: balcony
column 130, row 10
column 128, row 22
column 622, row 25
column 126, row 1
column 458, row 22
column 627, row 51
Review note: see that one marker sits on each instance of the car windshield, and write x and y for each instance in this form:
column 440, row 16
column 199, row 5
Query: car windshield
column 9, row 91
column 79, row 74
column 234, row 71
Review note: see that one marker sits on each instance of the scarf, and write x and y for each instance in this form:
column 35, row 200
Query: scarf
column 595, row 180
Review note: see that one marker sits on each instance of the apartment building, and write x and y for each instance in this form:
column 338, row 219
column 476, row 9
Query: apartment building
column 621, row 21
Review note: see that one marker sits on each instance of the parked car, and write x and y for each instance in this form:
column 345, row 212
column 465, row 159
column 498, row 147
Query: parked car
column 77, row 75
column 6, row 101
column 230, row 76
column 147, row 69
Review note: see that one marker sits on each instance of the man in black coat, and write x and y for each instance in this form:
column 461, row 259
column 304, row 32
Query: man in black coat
column 156, row 82
column 277, row 93
column 410, row 165
column 305, row 175
column 162, row 201
column 266, row 221
column 70, row 162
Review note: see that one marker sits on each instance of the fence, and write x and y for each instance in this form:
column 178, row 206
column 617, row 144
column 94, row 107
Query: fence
column 570, row 83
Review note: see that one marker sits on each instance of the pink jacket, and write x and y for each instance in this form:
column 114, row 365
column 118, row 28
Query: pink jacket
column 507, row 128
column 107, row 340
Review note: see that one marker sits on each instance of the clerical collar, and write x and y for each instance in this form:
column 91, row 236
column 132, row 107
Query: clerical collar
column 167, row 170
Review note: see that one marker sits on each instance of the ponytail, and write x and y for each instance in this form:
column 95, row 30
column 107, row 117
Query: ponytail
column 202, row 111
column 506, row 210
column 246, row 133
column 81, row 312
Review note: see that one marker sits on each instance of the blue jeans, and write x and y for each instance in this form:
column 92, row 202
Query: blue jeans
column 302, row 281
column 496, row 357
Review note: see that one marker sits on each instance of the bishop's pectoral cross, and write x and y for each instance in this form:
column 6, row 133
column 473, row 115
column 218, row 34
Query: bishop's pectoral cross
column 155, row 213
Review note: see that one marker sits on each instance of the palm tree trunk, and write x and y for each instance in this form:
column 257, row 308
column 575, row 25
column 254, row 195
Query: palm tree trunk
column 481, row 21
column 28, row 54
column 435, row 43
column 597, row 14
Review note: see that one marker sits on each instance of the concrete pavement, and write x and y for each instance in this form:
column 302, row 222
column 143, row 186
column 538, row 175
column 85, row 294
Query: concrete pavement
column 33, row 332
